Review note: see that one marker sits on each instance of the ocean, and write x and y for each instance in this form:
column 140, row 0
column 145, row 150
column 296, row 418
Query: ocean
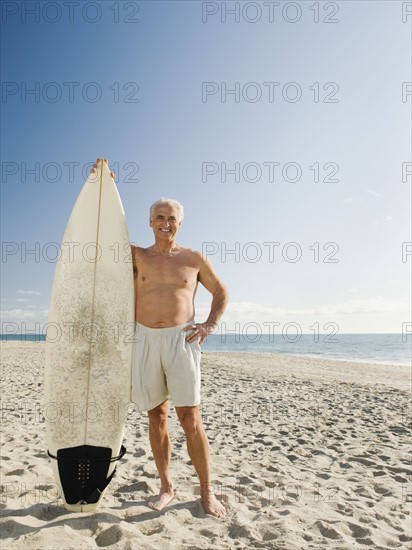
column 393, row 349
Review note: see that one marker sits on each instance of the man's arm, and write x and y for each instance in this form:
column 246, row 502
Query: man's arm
column 209, row 279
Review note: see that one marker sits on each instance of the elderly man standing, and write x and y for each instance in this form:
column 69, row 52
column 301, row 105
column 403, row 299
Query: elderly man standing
column 166, row 355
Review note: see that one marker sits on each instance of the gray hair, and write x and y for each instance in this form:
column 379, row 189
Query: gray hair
column 171, row 202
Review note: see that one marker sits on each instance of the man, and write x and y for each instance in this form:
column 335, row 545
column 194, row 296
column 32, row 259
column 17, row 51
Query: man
column 167, row 353
column 166, row 356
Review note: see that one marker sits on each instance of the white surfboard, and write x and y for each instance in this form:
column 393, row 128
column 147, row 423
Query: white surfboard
column 89, row 345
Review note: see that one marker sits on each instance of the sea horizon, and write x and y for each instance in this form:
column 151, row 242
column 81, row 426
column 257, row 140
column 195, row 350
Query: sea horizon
column 382, row 348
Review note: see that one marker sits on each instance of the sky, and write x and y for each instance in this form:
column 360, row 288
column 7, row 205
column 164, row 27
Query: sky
column 284, row 128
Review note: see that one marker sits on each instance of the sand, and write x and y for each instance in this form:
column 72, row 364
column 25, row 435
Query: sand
column 306, row 453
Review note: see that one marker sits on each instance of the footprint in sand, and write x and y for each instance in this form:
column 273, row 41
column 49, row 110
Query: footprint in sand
column 359, row 532
column 139, row 452
column 109, row 536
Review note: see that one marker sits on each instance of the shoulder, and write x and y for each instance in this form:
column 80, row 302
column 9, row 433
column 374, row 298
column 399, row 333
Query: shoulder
column 202, row 263
column 138, row 252
column 194, row 256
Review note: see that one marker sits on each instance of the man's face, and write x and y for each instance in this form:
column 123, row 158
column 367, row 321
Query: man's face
column 165, row 222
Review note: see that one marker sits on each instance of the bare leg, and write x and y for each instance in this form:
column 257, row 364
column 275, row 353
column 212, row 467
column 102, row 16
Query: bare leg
column 198, row 449
column 160, row 443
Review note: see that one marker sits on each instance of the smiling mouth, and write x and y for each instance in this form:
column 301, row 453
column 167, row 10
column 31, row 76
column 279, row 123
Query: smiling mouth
column 165, row 230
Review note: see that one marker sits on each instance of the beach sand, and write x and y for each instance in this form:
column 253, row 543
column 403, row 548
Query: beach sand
column 306, row 453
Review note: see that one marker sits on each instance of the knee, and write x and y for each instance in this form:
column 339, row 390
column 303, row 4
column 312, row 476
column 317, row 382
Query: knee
column 190, row 423
column 158, row 417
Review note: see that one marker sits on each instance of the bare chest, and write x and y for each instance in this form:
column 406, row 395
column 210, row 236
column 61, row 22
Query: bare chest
column 167, row 270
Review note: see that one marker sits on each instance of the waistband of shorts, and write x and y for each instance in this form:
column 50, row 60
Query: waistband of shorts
column 158, row 331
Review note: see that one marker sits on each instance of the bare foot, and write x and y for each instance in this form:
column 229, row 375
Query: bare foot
column 161, row 500
column 213, row 507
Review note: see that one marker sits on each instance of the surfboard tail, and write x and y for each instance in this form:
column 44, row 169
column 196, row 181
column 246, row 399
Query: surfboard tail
column 84, row 475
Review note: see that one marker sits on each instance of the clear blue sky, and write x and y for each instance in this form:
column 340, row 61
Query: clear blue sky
column 350, row 114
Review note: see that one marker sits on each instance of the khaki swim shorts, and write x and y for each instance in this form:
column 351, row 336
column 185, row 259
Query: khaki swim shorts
column 165, row 366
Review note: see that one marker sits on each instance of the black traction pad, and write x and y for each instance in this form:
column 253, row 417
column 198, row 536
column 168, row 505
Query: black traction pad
column 83, row 472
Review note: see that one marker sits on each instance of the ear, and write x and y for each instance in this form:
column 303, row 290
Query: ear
column 150, row 222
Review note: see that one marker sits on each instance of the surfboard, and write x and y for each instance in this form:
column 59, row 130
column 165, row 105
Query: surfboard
column 89, row 345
